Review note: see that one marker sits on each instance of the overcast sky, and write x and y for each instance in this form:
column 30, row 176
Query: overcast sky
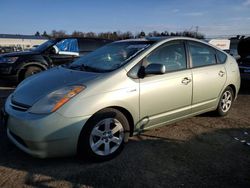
column 213, row 17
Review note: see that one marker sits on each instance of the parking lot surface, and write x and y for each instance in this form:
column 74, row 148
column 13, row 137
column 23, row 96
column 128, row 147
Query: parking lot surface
column 203, row 151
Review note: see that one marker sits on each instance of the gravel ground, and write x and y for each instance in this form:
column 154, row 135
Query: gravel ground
column 202, row 151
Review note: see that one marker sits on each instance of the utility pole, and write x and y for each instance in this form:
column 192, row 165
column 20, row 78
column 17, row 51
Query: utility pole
column 196, row 31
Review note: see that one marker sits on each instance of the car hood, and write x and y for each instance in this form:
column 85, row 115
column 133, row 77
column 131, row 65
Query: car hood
column 18, row 54
column 34, row 88
column 244, row 47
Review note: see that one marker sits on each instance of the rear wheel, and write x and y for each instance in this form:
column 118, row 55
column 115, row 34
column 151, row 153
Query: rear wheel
column 102, row 138
column 225, row 102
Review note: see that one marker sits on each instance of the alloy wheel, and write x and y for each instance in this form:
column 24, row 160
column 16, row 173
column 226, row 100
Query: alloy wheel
column 106, row 136
column 226, row 101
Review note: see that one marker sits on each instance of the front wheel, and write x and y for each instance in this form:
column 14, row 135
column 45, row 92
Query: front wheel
column 226, row 101
column 102, row 138
column 31, row 70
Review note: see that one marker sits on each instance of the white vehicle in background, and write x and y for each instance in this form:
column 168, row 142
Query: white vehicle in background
column 227, row 45
column 223, row 44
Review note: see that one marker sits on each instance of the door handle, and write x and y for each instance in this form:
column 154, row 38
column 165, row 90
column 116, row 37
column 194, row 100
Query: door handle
column 221, row 73
column 186, row 80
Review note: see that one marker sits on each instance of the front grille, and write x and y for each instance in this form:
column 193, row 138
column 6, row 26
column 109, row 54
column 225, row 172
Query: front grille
column 19, row 106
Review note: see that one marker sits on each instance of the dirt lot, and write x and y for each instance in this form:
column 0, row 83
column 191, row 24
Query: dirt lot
column 202, row 151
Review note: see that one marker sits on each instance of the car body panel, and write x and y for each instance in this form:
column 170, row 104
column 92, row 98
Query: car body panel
column 233, row 74
column 57, row 77
column 207, row 85
column 42, row 138
column 151, row 100
column 170, row 94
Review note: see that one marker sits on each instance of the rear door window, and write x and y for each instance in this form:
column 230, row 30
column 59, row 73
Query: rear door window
column 201, row 54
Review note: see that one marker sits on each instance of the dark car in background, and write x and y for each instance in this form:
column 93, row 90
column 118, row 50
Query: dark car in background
column 244, row 60
column 239, row 48
column 8, row 49
column 20, row 65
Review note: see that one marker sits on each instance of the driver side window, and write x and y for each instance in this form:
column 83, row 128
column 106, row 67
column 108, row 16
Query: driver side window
column 172, row 55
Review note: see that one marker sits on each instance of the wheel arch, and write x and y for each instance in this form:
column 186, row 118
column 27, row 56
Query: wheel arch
column 129, row 117
column 234, row 89
column 83, row 143
column 124, row 111
column 26, row 65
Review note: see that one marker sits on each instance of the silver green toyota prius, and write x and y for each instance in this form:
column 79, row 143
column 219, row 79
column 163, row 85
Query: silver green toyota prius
column 92, row 106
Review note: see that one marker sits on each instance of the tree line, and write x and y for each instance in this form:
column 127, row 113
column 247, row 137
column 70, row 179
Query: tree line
column 118, row 35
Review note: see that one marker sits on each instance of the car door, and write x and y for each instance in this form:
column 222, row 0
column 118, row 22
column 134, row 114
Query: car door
column 166, row 97
column 66, row 51
column 209, row 77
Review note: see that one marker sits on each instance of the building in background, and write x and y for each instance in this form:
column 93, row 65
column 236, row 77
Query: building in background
column 9, row 43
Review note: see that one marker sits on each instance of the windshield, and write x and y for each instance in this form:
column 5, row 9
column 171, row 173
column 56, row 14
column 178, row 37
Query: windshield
column 111, row 56
column 44, row 45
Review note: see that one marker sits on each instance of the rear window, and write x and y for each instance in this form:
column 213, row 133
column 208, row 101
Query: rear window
column 221, row 57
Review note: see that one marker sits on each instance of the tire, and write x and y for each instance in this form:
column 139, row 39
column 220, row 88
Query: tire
column 31, row 70
column 102, row 138
column 226, row 101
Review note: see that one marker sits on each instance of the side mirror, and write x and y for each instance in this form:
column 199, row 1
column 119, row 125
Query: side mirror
column 54, row 50
column 155, row 69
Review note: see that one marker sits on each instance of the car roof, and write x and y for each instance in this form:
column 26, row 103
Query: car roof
column 154, row 40
column 83, row 38
column 158, row 39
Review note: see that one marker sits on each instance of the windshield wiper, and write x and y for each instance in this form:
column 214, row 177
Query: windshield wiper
column 89, row 68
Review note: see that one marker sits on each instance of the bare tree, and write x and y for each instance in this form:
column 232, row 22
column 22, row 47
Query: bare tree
column 37, row 33
column 77, row 34
column 118, row 35
column 45, row 34
column 140, row 35
column 60, row 33
column 91, row 35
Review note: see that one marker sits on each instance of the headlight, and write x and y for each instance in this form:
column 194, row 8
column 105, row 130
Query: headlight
column 8, row 59
column 55, row 100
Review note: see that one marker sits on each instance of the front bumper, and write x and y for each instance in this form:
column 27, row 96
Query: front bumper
column 43, row 136
column 7, row 72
